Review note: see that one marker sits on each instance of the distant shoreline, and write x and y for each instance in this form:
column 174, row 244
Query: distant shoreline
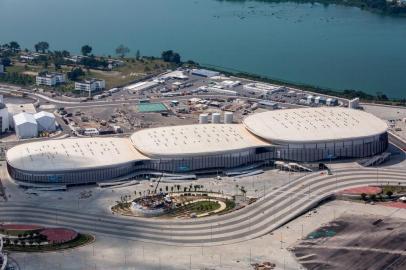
column 382, row 7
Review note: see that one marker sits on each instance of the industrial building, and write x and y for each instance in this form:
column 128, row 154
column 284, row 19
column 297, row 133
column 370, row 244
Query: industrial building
column 14, row 109
column 46, row 121
column 299, row 135
column 141, row 86
column 25, row 126
column 204, row 73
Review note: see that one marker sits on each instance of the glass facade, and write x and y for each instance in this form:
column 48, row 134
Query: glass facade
column 311, row 152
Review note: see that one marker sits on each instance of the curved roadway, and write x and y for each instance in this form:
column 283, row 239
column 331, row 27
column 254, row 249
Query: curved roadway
column 268, row 213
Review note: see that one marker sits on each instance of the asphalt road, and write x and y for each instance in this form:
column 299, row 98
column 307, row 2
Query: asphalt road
column 272, row 211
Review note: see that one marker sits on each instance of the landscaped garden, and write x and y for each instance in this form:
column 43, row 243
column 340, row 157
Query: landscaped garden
column 33, row 238
column 179, row 205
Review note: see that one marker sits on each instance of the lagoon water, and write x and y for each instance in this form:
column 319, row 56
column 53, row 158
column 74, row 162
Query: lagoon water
column 331, row 46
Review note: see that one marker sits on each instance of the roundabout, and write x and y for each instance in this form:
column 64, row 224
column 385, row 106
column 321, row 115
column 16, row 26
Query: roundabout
column 176, row 205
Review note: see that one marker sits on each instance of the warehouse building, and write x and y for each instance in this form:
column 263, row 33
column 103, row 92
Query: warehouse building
column 46, row 121
column 25, row 126
column 300, row 135
column 14, row 109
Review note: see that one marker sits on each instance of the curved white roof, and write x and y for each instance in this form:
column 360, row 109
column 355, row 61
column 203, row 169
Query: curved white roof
column 178, row 141
column 314, row 125
column 72, row 154
column 44, row 114
column 23, row 118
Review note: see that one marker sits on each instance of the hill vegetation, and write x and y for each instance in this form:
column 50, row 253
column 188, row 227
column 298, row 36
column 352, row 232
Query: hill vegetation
column 395, row 7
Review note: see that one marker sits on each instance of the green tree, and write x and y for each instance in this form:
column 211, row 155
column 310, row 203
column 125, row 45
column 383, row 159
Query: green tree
column 122, row 50
column 86, row 49
column 5, row 61
column 14, row 46
column 65, row 53
column 42, row 46
column 75, row 73
column 171, row 57
column 389, row 193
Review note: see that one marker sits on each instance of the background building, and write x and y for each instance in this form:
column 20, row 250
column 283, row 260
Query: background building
column 50, row 79
column 90, row 85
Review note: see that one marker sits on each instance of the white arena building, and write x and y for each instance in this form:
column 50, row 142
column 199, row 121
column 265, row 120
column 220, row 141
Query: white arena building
column 301, row 135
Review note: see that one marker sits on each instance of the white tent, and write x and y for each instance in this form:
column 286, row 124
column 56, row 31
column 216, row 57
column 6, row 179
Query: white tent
column 25, row 125
column 46, row 121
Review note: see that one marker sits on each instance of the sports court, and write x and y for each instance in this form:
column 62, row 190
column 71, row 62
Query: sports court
column 151, row 107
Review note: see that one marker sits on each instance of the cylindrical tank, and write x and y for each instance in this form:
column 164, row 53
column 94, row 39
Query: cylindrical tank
column 215, row 118
column 228, row 118
column 203, row 118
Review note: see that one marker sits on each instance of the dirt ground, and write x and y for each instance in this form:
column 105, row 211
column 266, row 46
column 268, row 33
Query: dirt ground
column 356, row 243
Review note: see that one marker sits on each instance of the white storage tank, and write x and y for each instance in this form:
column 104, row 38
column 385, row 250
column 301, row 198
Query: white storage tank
column 228, row 118
column 46, row 121
column 203, row 118
column 215, row 118
column 25, row 126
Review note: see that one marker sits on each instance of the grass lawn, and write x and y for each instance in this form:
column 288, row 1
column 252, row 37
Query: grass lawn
column 15, row 69
column 202, row 207
column 129, row 72
column 394, row 189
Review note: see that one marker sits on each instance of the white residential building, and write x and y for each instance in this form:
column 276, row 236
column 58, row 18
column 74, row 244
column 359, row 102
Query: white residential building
column 1, row 68
column 50, row 79
column 90, row 85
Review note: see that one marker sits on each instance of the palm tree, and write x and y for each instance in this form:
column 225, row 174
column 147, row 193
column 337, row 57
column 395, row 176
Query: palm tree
column 244, row 192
